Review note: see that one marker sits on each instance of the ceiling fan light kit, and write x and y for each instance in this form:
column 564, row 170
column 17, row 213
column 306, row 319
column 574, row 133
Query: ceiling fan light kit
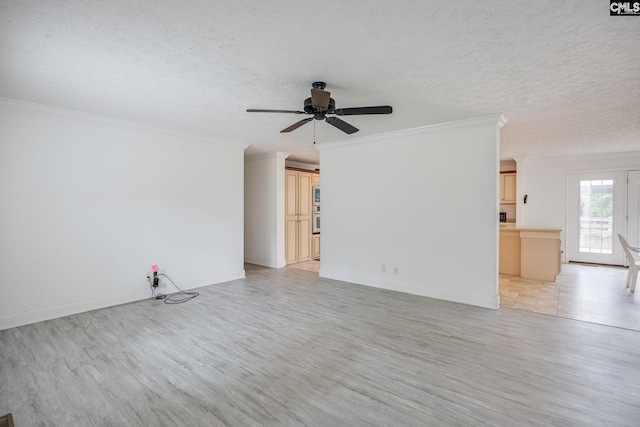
column 320, row 104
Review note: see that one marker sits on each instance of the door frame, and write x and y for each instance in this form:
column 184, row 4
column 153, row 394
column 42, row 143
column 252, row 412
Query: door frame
column 633, row 207
column 619, row 222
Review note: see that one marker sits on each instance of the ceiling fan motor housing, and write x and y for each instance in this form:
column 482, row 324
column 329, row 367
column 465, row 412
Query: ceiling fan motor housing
column 309, row 108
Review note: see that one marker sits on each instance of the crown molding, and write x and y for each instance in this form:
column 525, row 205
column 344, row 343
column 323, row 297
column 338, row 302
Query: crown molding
column 301, row 165
column 569, row 158
column 269, row 155
column 32, row 107
column 502, row 120
column 497, row 120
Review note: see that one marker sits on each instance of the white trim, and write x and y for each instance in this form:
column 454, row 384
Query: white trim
column 575, row 158
column 409, row 288
column 26, row 318
column 30, row 107
column 494, row 119
column 632, row 220
column 301, row 165
column 502, row 120
column 521, row 166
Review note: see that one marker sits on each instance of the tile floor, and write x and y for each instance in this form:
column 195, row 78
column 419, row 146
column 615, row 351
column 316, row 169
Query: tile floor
column 307, row 266
column 591, row 293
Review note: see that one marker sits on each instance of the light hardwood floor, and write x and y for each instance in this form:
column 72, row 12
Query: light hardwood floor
column 284, row 347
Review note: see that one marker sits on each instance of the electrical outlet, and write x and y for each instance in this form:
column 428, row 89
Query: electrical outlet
column 395, row 270
column 154, row 275
column 383, row 269
column 163, row 280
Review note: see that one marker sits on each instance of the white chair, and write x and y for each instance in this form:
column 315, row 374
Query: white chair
column 634, row 262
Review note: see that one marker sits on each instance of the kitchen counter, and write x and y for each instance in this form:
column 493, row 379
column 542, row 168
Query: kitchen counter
column 530, row 252
column 508, row 226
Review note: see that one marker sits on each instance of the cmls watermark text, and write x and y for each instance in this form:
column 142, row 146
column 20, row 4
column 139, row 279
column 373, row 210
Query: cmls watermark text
column 621, row 8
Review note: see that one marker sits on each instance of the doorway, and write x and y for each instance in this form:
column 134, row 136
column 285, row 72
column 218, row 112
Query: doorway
column 596, row 213
column 599, row 205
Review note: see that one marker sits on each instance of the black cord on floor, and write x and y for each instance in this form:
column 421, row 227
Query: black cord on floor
column 172, row 298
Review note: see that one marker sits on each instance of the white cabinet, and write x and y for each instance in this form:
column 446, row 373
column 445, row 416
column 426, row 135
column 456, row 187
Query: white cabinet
column 297, row 217
column 507, row 188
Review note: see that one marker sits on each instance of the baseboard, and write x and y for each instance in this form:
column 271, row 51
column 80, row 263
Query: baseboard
column 266, row 262
column 211, row 280
column 484, row 301
column 49, row 313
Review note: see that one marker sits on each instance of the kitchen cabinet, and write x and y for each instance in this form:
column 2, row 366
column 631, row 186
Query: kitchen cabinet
column 297, row 216
column 315, row 244
column 507, row 188
column 510, row 251
column 531, row 253
column 540, row 254
column 315, row 252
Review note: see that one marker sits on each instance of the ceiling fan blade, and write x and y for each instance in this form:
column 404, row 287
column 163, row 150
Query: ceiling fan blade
column 342, row 125
column 383, row 109
column 296, row 125
column 253, row 110
column 320, row 98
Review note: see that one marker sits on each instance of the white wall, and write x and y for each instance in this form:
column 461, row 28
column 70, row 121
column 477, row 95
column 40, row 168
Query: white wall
column 264, row 209
column 545, row 184
column 88, row 203
column 423, row 200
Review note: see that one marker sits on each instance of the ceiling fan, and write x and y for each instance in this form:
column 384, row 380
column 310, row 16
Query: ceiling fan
column 321, row 104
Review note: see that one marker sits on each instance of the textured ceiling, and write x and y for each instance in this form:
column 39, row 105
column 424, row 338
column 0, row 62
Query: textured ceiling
column 564, row 73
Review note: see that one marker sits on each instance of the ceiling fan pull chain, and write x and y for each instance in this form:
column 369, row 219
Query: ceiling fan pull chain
column 314, row 132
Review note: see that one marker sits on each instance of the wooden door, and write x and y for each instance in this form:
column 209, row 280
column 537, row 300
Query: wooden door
column 291, row 217
column 304, row 216
column 304, row 239
column 297, row 217
column 315, row 253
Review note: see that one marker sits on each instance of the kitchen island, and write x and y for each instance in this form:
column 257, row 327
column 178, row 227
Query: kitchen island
column 531, row 253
